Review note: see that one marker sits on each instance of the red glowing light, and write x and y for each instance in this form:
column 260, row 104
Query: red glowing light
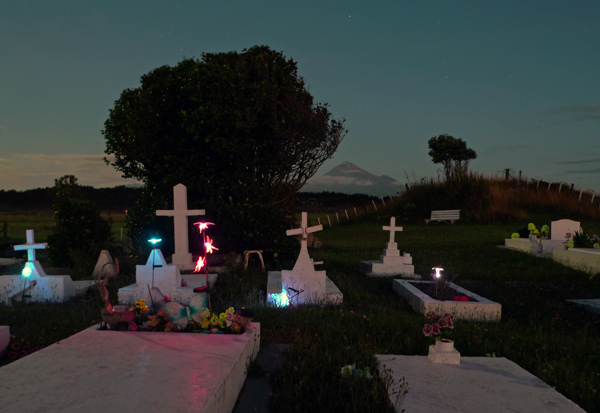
column 203, row 225
column 199, row 264
column 209, row 245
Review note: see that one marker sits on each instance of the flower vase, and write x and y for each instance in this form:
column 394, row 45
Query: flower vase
column 443, row 352
column 444, row 345
column 121, row 318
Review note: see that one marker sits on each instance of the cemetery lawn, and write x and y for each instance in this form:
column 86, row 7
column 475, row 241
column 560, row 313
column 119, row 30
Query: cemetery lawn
column 551, row 338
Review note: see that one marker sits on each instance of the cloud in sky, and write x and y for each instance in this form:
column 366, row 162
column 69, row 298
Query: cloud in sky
column 579, row 112
column 28, row 171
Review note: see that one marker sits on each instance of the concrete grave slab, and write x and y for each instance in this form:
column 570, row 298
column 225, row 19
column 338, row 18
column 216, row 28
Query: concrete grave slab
column 477, row 384
column 583, row 259
column 33, row 284
column 4, row 338
column 479, row 308
column 592, row 305
column 390, row 263
column 303, row 282
column 114, row 371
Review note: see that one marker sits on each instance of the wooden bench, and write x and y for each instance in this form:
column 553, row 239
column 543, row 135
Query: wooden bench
column 449, row 216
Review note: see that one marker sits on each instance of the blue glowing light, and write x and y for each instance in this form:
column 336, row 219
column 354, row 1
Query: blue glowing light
column 27, row 271
column 281, row 299
column 154, row 241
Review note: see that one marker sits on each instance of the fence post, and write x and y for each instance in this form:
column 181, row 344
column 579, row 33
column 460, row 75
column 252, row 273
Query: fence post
column 549, row 184
column 593, row 195
column 373, row 201
column 347, row 217
column 355, row 213
column 319, row 220
column 538, row 184
column 337, row 217
column 329, row 220
column 560, row 187
column 580, row 193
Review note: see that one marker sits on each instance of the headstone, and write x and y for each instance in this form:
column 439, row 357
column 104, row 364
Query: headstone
column 105, row 266
column 391, row 263
column 559, row 229
column 558, row 232
column 33, row 284
column 182, row 256
column 157, row 273
column 30, row 247
column 303, row 283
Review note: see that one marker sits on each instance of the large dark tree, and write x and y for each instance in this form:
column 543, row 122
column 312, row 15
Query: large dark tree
column 240, row 130
column 452, row 153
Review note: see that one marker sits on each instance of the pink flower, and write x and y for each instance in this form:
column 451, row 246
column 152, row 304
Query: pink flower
column 427, row 329
column 436, row 329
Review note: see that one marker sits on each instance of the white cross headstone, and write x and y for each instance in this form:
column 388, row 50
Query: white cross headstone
column 392, row 228
column 180, row 214
column 31, row 246
column 304, row 230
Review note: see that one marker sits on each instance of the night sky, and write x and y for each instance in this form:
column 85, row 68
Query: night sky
column 517, row 80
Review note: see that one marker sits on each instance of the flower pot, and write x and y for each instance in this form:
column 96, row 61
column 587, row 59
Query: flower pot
column 122, row 318
column 444, row 345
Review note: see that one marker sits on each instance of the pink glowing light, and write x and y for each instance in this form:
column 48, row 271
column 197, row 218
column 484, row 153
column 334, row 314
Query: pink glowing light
column 209, row 245
column 199, row 264
column 203, row 225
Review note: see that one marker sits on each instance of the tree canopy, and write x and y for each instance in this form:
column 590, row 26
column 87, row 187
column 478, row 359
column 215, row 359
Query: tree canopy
column 452, row 153
column 240, row 130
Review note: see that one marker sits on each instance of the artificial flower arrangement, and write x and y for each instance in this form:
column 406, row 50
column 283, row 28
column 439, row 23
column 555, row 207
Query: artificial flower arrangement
column 581, row 240
column 544, row 232
column 438, row 324
column 174, row 318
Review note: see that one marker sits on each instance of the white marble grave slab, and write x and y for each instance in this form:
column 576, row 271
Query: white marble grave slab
column 477, row 384
column 116, row 371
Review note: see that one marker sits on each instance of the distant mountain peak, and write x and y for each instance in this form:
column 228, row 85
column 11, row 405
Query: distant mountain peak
column 351, row 179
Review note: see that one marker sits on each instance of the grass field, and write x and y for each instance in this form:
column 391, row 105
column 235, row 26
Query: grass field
column 540, row 331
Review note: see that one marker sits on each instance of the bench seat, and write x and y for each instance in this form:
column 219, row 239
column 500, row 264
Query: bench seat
column 448, row 216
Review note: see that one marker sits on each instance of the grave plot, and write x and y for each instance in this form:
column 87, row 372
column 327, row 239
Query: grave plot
column 476, row 308
column 477, row 384
column 391, row 263
column 545, row 246
column 132, row 371
column 583, row 259
column 303, row 284
column 33, row 284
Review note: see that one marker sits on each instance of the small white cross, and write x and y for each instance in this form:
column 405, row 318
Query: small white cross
column 31, row 246
column 304, row 230
column 392, row 228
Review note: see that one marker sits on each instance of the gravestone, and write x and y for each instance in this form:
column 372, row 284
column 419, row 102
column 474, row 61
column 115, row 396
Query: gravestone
column 33, row 284
column 182, row 256
column 105, row 266
column 303, row 281
column 558, row 231
column 391, row 263
column 157, row 273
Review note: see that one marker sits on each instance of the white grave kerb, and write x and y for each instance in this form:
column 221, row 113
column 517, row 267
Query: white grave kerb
column 30, row 247
column 180, row 214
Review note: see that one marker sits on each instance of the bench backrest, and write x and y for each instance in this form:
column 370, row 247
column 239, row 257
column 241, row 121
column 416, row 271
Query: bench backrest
column 448, row 214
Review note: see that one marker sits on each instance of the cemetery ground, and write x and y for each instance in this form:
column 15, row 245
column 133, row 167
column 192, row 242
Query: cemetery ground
column 553, row 339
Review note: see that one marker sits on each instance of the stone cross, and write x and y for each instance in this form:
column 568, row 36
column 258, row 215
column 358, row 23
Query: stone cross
column 31, row 246
column 392, row 228
column 180, row 215
column 304, row 230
